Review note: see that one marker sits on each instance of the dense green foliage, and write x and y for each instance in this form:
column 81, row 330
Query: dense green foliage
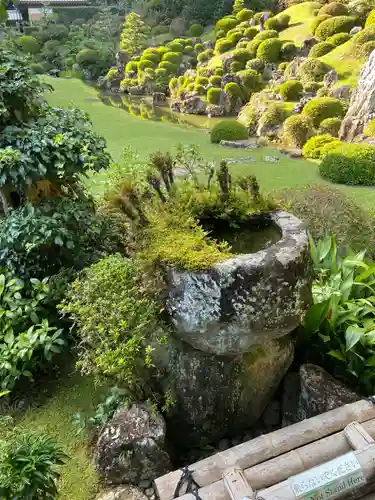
column 313, row 70
column 370, row 128
column 351, row 164
column 296, row 130
column 213, row 95
column 317, row 21
column 269, row 50
column 320, row 49
column 330, row 126
column 313, row 147
column 228, row 130
column 334, row 25
column 291, row 90
column 320, row 108
column 334, row 9
column 338, row 39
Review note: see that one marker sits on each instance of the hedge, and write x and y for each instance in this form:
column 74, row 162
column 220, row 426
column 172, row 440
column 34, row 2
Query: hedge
column 196, row 30
column 321, row 49
column 223, row 45
column 296, row 130
column 338, row 39
column 334, row 25
column 313, row 147
column 313, row 70
column 334, row 9
column 228, row 130
column 351, row 164
column 291, row 90
column 320, row 108
column 269, row 50
column 213, row 95
column 330, row 126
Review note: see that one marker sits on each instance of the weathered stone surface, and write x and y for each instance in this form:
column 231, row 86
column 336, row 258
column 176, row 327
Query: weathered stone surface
column 355, row 30
column 214, row 110
column 294, row 67
column 341, row 92
column 244, row 301
column 217, row 395
column 243, row 144
column 130, row 447
column 290, row 399
column 320, row 392
column 362, row 102
column 330, row 78
column 159, row 98
column 307, row 45
column 123, row 493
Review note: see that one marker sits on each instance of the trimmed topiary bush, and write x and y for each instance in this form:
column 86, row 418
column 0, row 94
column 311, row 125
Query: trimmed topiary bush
column 245, row 15
column 330, row 126
column 188, row 50
column 37, row 68
column 338, row 39
column 320, row 108
column 296, row 130
column 252, row 47
column 131, row 66
column 226, row 24
column 86, row 57
column 278, row 23
column 151, row 55
column 273, row 115
column 250, row 79
column 370, row 19
column 242, row 44
column 175, row 46
column 199, row 88
column 169, row 67
column 334, row 9
column 313, row 70
column 233, row 90
column 269, row 50
column 321, row 49
column 202, row 80
column 334, row 25
column 234, row 37
column 367, row 48
column 242, row 55
column 236, row 66
column 213, row 95
column 312, row 87
column 317, row 21
column 266, row 34
column 223, row 45
column 313, row 147
column 215, row 80
column 258, row 15
column 196, row 30
column 250, row 32
column 351, row 164
column 198, row 47
column 145, row 63
column 205, row 55
column 29, row 44
column 288, row 51
column 228, row 130
column 172, row 57
column 291, row 90
column 255, row 64
column 366, row 35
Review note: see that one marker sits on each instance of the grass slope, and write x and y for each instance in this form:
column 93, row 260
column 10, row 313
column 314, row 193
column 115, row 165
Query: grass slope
column 345, row 63
column 121, row 129
column 301, row 16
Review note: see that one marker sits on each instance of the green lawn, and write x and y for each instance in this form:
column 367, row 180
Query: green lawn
column 121, row 129
column 301, row 16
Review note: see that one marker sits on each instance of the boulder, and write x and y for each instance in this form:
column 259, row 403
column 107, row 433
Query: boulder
column 130, row 448
column 208, row 44
column 307, row 45
column 355, row 30
column 330, row 78
column 244, row 301
column 342, row 92
column 123, row 493
column 230, row 77
column 320, row 392
column 137, row 90
column 362, row 102
column 214, row 110
column 159, row 98
column 193, row 104
column 217, row 395
column 294, row 67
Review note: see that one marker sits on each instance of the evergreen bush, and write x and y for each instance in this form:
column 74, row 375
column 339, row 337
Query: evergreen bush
column 228, row 130
column 321, row 49
column 320, row 108
column 334, row 25
column 291, row 90
column 296, row 130
column 269, row 50
column 330, row 126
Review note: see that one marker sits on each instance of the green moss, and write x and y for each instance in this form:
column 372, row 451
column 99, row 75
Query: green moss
column 269, row 50
column 320, row 108
column 291, row 90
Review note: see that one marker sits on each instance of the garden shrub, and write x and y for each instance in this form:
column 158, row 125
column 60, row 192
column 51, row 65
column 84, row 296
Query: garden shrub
column 167, row 66
column 367, row 48
column 252, row 47
column 327, row 210
column 313, row 70
column 283, row 65
column 236, row 66
column 226, row 24
column 323, row 92
column 266, row 34
column 223, row 45
column 269, row 50
column 244, row 15
column 205, row 55
column 313, row 147
column 278, row 23
column 291, row 90
column 199, row 88
column 296, row 130
column 172, row 57
column 273, row 115
column 106, row 291
column 29, row 44
column 334, row 25
column 213, row 95
column 370, row 128
column 188, row 49
column 258, row 15
column 250, row 32
column 242, row 44
column 334, row 9
column 190, row 87
column 370, row 19
column 250, row 79
column 255, row 64
column 131, row 66
column 228, row 130
column 338, row 39
column 198, row 47
column 242, row 55
column 317, row 21
column 87, row 56
column 233, row 90
column 196, row 30
column 330, row 126
column 37, row 68
column 321, row 49
column 145, row 63
column 366, row 35
column 215, row 80
column 220, row 34
column 320, row 108
column 234, row 37
column 219, row 70
column 202, row 80
column 351, row 164
column 151, row 56
column 288, row 51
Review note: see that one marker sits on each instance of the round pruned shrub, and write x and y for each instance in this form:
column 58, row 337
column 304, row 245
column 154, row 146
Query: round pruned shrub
column 233, row 90
column 161, row 50
column 198, row 47
column 252, row 47
column 296, row 130
column 330, row 126
column 320, row 108
column 200, row 89
column 245, row 15
column 255, row 64
column 223, row 45
column 291, row 90
column 370, row 128
column 273, row 115
column 334, row 9
column 226, row 24
column 313, row 147
column 338, row 39
column 266, row 34
column 190, row 87
column 312, row 87
column 366, row 35
column 236, row 66
column 145, row 63
column 283, row 65
column 258, row 15
column 131, row 66
column 86, row 57
column 367, row 48
column 351, row 164
column 151, row 55
column 37, row 68
column 213, row 95
column 172, row 57
column 370, row 19
column 334, row 25
column 317, row 21
column 234, row 37
column 313, row 70
column 29, row 44
column 196, row 30
column 288, row 51
column 250, row 32
column 228, row 130
column 321, row 49
column 250, row 79
column 169, row 67
column 219, row 70
column 188, row 50
column 220, row 34
column 175, row 46
column 242, row 55
column 323, row 92
column 215, row 80
column 205, row 56
column 242, row 44
column 278, row 23
column 269, row 50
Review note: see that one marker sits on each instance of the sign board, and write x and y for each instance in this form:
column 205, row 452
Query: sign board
column 329, row 480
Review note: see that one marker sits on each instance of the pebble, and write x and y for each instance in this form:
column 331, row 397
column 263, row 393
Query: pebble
column 241, row 159
column 149, row 492
column 271, row 159
column 223, row 444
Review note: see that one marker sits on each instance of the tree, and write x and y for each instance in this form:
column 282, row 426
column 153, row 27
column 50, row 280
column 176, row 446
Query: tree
column 134, row 34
